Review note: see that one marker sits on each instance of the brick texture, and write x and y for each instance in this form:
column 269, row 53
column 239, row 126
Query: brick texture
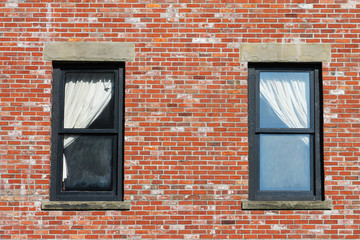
column 186, row 150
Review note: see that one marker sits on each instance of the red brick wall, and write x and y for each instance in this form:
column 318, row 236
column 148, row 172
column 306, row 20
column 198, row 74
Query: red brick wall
column 186, row 164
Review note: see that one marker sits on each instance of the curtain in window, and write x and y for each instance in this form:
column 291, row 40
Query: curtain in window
column 86, row 96
column 288, row 96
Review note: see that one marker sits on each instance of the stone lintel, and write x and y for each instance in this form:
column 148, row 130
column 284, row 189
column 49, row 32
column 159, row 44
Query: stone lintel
column 89, row 51
column 265, row 52
column 286, row 205
column 84, row 205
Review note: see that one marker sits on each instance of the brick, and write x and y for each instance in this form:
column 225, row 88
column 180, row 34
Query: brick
column 186, row 150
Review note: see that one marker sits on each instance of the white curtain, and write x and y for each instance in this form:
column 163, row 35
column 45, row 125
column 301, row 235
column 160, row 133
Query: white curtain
column 86, row 96
column 287, row 95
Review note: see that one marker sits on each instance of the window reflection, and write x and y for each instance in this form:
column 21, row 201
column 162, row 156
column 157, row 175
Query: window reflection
column 285, row 162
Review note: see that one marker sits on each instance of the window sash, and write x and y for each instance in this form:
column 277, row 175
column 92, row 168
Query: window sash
column 116, row 101
column 283, row 195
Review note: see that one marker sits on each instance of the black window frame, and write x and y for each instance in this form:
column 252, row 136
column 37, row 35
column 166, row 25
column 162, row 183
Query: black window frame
column 59, row 71
column 315, row 131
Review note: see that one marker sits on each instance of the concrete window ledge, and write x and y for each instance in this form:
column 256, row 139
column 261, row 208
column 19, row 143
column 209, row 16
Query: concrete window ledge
column 286, row 205
column 84, row 205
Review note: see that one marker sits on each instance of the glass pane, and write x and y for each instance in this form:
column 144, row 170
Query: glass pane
column 285, row 162
column 87, row 163
column 284, row 100
column 89, row 100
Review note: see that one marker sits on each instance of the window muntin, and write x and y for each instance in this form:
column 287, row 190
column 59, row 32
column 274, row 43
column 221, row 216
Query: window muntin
column 87, row 139
column 284, row 132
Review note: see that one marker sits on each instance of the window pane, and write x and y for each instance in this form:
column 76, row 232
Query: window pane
column 284, row 100
column 285, row 162
column 89, row 100
column 87, row 162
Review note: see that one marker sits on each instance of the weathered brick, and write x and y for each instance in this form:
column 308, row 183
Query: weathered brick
column 186, row 164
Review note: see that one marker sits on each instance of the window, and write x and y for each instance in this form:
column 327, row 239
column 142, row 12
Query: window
column 87, row 132
column 285, row 162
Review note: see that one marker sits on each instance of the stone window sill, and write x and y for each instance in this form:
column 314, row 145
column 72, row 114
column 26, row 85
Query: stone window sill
column 286, row 205
column 84, row 205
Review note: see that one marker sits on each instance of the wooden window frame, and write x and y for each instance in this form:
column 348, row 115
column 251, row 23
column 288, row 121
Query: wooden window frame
column 315, row 131
column 59, row 70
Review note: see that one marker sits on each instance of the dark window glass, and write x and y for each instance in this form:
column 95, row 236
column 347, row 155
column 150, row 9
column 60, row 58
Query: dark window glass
column 89, row 100
column 285, row 132
column 89, row 161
